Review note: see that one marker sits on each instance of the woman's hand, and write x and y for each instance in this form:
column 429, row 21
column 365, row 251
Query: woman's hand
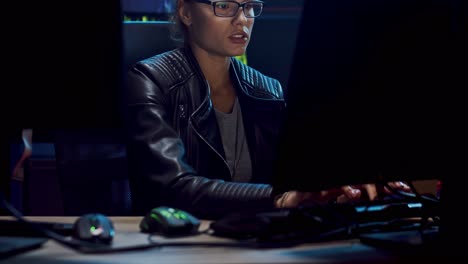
column 372, row 191
column 348, row 193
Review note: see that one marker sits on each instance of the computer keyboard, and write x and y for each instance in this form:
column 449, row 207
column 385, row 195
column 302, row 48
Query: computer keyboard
column 324, row 222
column 280, row 227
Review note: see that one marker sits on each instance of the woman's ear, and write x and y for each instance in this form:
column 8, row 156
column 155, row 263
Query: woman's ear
column 183, row 10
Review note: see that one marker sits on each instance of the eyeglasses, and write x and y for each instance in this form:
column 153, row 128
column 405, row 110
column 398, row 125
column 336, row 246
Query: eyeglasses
column 230, row 8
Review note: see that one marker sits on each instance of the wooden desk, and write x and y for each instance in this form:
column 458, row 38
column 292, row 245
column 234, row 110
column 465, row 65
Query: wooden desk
column 127, row 234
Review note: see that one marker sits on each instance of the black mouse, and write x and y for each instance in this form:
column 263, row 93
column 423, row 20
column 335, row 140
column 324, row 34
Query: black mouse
column 94, row 228
column 170, row 222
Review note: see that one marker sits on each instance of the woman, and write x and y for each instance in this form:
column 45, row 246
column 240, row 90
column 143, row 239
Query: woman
column 204, row 126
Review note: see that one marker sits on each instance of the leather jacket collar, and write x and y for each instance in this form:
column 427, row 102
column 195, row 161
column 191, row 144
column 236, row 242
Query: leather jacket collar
column 204, row 119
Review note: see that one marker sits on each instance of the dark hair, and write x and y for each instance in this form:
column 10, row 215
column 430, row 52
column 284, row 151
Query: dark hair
column 178, row 29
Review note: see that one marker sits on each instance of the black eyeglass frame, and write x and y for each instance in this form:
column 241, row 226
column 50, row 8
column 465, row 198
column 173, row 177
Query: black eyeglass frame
column 239, row 5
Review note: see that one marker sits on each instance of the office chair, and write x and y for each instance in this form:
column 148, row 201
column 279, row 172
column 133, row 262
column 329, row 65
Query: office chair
column 91, row 163
column 92, row 169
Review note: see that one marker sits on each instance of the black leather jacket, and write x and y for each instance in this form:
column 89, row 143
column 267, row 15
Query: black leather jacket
column 175, row 152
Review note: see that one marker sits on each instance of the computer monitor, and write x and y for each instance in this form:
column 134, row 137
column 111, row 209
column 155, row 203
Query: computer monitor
column 62, row 69
column 376, row 94
column 372, row 95
column 148, row 10
column 63, row 65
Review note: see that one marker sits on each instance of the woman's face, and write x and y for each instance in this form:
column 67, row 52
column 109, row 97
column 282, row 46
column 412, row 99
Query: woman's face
column 219, row 36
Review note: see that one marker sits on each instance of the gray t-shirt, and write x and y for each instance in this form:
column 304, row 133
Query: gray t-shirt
column 235, row 146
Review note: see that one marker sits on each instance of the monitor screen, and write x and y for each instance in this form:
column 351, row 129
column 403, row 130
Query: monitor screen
column 148, row 6
column 63, row 65
column 148, row 10
column 374, row 95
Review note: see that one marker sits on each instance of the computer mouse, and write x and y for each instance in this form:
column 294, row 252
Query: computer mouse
column 170, row 222
column 95, row 228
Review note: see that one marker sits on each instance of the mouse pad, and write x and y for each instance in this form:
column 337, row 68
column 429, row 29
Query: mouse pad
column 10, row 246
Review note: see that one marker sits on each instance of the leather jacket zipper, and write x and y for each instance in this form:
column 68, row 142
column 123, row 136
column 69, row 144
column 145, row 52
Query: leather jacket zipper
column 220, row 156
